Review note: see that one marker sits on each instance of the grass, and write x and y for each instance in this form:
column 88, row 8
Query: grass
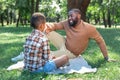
column 12, row 40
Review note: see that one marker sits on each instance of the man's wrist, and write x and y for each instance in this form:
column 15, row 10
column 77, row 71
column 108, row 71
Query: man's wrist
column 106, row 58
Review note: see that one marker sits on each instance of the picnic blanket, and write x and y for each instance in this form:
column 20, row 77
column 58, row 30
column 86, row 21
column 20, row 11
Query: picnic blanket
column 76, row 65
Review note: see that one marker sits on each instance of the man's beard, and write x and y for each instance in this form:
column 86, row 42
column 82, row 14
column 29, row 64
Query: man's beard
column 72, row 23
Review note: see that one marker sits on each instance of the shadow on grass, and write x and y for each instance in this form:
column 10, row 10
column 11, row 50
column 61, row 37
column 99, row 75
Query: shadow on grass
column 112, row 38
column 15, row 30
column 7, row 51
column 97, row 64
column 29, row 76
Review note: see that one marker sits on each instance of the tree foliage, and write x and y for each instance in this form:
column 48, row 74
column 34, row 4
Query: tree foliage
column 104, row 12
column 98, row 12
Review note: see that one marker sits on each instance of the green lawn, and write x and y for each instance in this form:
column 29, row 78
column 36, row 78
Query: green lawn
column 11, row 44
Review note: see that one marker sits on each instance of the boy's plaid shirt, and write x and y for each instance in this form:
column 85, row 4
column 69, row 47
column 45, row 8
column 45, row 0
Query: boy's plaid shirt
column 36, row 50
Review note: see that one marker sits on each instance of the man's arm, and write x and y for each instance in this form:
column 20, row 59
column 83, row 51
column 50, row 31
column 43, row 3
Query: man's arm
column 100, row 41
column 102, row 45
column 54, row 26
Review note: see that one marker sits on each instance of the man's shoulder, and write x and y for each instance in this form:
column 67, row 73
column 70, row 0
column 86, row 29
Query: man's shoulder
column 64, row 21
column 89, row 26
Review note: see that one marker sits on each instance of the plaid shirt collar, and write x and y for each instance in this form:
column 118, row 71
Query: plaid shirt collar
column 38, row 32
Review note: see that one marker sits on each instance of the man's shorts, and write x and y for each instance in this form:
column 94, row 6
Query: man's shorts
column 48, row 67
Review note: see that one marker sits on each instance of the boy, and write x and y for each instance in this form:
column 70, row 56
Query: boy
column 36, row 48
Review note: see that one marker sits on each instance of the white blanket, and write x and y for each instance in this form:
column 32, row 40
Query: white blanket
column 76, row 65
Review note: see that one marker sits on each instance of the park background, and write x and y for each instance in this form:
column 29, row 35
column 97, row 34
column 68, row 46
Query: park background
column 14, row 28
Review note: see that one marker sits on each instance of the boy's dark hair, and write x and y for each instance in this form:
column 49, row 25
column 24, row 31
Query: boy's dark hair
column 37, row 19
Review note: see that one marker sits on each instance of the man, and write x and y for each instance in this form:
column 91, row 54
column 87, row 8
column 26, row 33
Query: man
column 78, row 34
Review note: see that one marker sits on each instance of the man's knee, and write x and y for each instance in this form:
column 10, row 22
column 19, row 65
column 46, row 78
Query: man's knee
column 66, row 57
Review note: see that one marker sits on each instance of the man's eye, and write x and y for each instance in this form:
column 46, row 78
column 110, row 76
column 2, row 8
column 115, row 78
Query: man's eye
column 70, row 16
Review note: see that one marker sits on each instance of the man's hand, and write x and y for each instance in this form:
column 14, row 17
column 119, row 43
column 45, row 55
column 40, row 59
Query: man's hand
column 49, row 25
column 52, row 56
column 109, row 60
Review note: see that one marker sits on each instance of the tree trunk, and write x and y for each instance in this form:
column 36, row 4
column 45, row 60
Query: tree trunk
column 25, row 20
column 104, row 20
column 2, row 21
column 11, row 17
column 7, row 12
column 21, row 21
column 32, row 6
column 95, row 19
column 18, row 19
column 37, row 6
column 109, row 18
column 80, row 4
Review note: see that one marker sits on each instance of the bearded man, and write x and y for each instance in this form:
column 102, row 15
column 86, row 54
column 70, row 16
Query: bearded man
column 78, row 35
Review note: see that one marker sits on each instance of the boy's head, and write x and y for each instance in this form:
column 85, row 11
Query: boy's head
column 37, row 20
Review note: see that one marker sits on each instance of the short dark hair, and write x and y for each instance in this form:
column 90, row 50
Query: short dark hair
column 37, row 19
column 75, row 10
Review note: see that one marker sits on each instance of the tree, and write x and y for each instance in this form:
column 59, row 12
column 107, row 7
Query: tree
column 37, row 5
column 105, row 11
column 99, row 11
column 80, row 4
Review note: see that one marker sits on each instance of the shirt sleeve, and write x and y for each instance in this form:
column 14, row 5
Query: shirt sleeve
column 56, row 26
column 100, row 41
column 94, row 34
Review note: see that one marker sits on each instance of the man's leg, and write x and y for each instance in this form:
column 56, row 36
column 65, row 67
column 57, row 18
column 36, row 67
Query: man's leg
column 59, row 42
column 61, row 60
